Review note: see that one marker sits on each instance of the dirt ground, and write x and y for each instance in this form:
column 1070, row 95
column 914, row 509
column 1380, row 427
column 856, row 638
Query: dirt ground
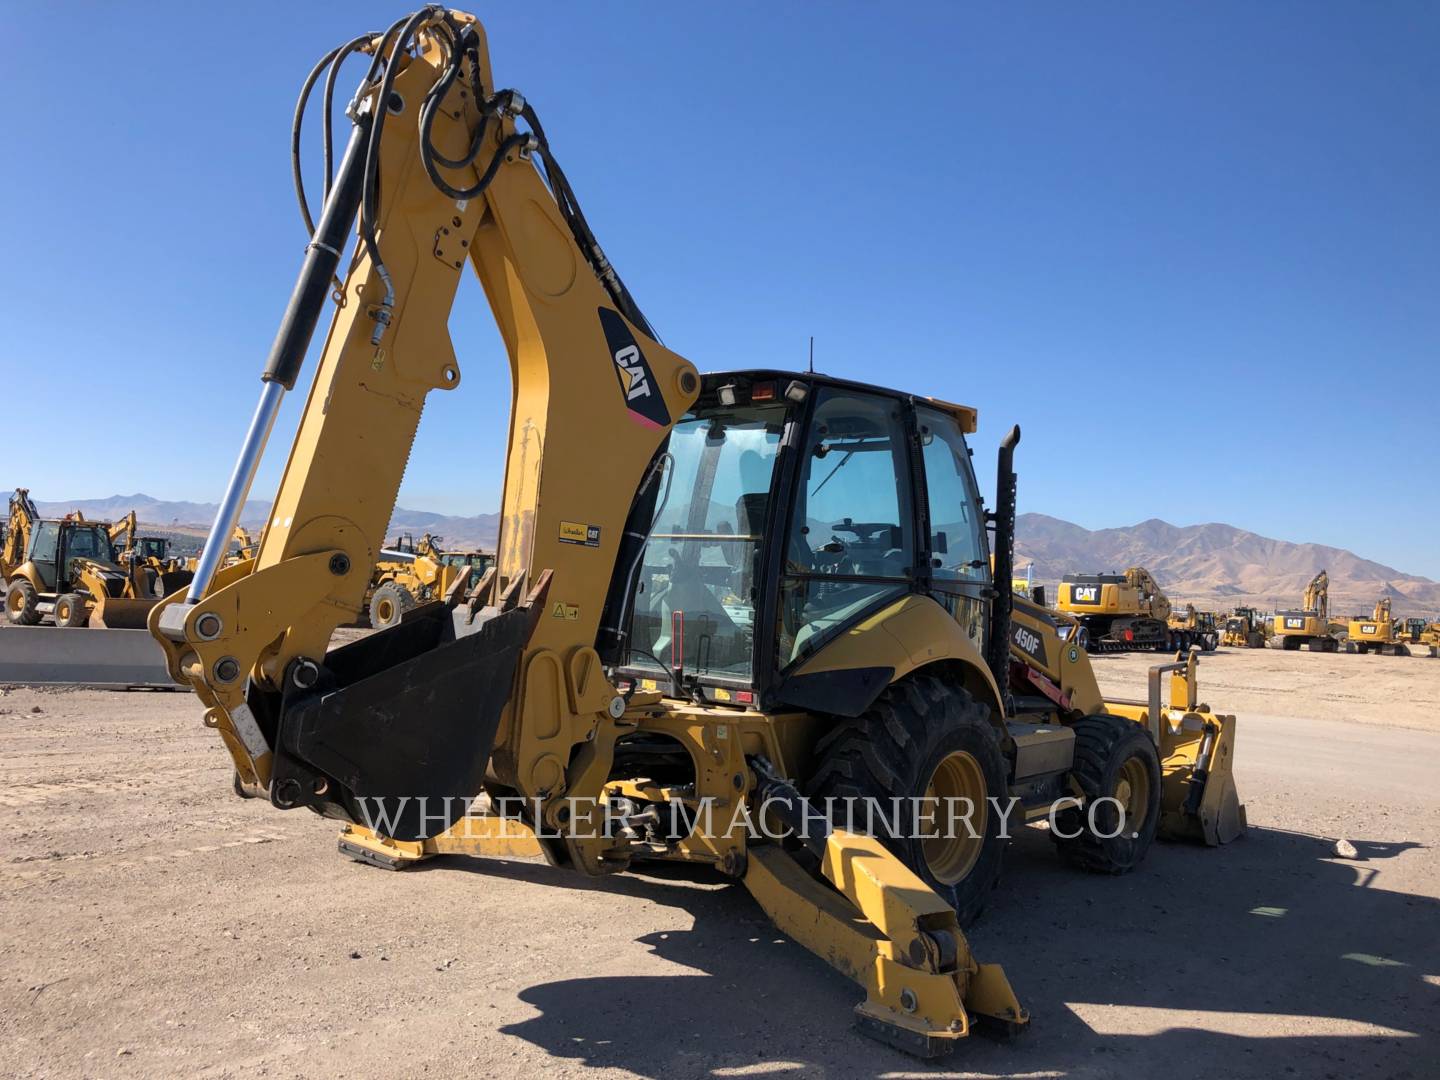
column 155, row 926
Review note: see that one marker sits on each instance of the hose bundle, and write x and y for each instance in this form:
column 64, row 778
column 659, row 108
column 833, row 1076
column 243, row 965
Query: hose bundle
column 460, row 48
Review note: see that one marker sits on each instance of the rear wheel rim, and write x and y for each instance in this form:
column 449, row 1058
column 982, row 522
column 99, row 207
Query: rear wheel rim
column 1132, row 792
column 386, row 610
column 950, row 859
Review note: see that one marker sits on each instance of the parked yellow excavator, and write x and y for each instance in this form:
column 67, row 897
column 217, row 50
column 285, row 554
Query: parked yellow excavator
column 1309, row 625
column 1378, row 634
column 726, row 609
column 1121, row 612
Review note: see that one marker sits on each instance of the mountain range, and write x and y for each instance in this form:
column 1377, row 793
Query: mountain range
column 1214, row 566
column 1217, row 567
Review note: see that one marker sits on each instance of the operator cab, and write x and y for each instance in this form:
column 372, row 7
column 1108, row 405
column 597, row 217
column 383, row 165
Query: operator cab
column 790, row 508
column 54, row 543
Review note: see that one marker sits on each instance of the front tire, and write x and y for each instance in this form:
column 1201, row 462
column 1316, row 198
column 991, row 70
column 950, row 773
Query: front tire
column 70, row 610
column 22, row 603
column 1114, row 760
column 389, row 605
column 923, row 739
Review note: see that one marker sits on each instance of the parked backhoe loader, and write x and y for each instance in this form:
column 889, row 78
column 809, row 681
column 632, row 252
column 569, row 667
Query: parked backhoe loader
column 67, row 568
column 1121, row 611
column 1378, row 634
column 147, row 561
column 1309, row 625
column 1246, row 628
column 726, row 609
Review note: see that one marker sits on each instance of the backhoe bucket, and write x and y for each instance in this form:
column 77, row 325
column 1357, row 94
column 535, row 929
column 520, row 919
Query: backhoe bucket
column 115, row 614
column 397, row 731
column 1199, row 799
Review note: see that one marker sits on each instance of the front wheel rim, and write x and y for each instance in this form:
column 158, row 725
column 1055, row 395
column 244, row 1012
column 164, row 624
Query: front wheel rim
column 1132, row 792
column 958, row 776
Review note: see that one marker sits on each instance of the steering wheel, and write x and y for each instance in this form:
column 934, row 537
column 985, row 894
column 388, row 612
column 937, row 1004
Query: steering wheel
column 866, row 532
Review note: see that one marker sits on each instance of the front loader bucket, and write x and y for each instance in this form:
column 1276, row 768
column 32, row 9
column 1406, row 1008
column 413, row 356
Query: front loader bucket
column 1199, row 799
column 114, row 614
column 172, row 581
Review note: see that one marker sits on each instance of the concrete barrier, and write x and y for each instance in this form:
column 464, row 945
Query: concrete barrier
column 113, row 659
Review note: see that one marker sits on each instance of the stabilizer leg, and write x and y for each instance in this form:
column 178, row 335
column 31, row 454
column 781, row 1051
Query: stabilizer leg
column 478, row 834
column 888, row 931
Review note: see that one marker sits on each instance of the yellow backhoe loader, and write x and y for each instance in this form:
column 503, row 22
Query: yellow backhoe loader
column 67, row 568
column 1121, row 612
column 147, row 561
column 726, row 610
column 1309, row 625
column 1378, row 634
column 1246, row 628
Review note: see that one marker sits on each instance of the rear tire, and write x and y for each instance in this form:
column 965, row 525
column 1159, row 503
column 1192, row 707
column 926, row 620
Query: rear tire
column 389, row 605
column 22, row 603
column 922, row 737
column 1114, row 759
column 71, row 610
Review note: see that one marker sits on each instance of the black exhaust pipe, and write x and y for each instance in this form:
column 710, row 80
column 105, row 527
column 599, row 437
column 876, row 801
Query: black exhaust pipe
column 1002, row 520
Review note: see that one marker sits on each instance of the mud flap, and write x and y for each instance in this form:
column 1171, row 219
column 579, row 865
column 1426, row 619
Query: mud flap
column 397, row 731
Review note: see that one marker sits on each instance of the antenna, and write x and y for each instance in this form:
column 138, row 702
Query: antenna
column 812, row 354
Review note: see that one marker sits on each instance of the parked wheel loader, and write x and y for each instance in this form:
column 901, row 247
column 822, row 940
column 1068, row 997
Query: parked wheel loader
column 1246, row 628
column 1121, row 612
column 1378, row 634
column 726, row 611
column 1309, row 625
column 67, row 568
column 409, row 574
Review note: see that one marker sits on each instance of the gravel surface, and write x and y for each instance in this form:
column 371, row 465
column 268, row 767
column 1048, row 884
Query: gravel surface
column 157, row 926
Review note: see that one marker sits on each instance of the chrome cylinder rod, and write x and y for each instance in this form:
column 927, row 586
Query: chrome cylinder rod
column 251, row 450
column 297, row 327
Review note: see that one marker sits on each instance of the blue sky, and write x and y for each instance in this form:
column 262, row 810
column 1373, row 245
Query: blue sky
column 1194, row 250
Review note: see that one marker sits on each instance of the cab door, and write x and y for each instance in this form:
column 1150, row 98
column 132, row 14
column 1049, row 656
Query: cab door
column 44, row 553
column 959, row 567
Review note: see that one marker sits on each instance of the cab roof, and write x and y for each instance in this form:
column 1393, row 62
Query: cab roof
column 964, row 415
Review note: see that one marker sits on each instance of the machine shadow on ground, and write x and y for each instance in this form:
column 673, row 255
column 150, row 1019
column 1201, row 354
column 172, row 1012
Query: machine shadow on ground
column 1319, row 946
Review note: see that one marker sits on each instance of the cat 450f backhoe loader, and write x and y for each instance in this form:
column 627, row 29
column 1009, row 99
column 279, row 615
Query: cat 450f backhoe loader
column 719, row 602
column 67, row 568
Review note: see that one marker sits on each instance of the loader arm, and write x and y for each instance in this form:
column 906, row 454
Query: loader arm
column 252, row 638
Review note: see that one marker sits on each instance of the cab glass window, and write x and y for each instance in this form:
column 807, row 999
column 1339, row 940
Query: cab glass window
column 851, row 541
